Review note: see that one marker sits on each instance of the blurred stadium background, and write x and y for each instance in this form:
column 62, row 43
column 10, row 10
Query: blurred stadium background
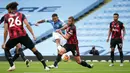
column 92, row 21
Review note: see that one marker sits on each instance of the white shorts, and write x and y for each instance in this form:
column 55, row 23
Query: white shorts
column 59, row 36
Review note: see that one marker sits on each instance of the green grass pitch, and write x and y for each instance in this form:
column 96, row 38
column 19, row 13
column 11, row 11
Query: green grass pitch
column 66, row 67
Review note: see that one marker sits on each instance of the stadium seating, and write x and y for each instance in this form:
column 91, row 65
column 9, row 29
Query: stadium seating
column 93, row 29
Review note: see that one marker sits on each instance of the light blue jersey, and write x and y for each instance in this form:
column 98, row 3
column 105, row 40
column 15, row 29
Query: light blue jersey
column 56, row 25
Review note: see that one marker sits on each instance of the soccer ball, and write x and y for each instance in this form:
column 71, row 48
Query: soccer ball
column 65, row 57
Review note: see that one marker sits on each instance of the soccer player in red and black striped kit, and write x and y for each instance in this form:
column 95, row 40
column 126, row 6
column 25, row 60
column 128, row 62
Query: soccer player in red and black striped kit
column 17, row 34
column 72, row 43
column 117, row 33
column 18, row 51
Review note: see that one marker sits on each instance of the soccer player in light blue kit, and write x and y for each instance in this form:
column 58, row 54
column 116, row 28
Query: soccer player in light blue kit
column 59, row 40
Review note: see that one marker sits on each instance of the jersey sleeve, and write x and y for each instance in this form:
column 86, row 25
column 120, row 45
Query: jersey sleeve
column 23, row 17
column 71, row 31
column 5, row 19
column 2, row 19
column 122, row 25
column 110, row 25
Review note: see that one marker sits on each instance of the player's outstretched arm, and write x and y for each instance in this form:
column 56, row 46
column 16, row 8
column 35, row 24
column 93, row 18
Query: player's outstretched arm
column 5, row 34
column 109, row 33
column 29, row 28
column 41, row 21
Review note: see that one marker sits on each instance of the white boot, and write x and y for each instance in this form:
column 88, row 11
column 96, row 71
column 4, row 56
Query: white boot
column 12, row 68
column 52, row 66
column 121, row 64
column 47, row 69
column 111, row 64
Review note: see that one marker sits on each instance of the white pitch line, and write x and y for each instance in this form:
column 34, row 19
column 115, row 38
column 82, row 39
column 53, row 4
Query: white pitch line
column 84, row 71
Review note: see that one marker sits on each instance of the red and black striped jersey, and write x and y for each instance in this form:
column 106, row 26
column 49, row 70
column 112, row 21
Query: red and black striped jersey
column 116, row 28
column 15, row 24
column 72, row 31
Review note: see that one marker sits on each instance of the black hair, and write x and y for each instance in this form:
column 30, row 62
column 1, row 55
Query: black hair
column 93, row 47
column 7, row 7
column 12, row 5
column 116, row 14
column 53, row 15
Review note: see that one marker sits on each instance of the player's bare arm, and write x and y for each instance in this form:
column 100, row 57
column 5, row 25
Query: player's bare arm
column 29, row 28
column 109, row 34
column 41, row 21
column 62, row 28
column 5, row 34
column 66, row 36
column 124, row 32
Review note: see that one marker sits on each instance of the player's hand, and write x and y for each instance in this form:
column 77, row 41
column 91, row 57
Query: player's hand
column 37, row 24
column 3, row 46
column 107, row 40
column 58, row 30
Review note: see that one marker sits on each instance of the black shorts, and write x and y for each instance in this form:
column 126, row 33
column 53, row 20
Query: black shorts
column 24, row 40
column 73, row 48
column 115, row 42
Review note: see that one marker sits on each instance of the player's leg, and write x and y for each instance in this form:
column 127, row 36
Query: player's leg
column 58, row 58
column 83, row 63
column 27, row 62
column 10, row 44
column 75, row 52
column 59, row 41
column 8, row 56
column 22, row 54
column 27, row 42
column 56, row 37
column 18, row 52
column 112, row 45
column 112, row 55
column 120, row 45
column 39, row 56
column 16, row 55
column 61, row 51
